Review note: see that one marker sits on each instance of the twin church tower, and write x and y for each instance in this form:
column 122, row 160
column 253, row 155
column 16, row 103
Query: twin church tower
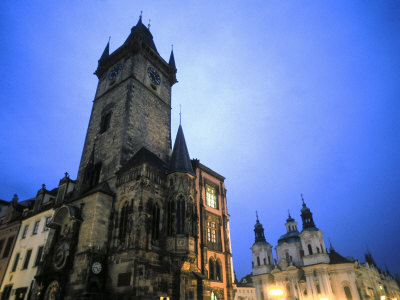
column 144, row 221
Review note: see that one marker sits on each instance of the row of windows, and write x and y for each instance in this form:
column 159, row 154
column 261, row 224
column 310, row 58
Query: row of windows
column 35, row 227
column 28, row 255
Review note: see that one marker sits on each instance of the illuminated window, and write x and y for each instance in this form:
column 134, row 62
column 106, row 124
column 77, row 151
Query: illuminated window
column 211, row 232
column 211, row 196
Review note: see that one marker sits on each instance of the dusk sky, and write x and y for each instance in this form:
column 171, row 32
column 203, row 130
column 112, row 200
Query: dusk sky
column 280, row 97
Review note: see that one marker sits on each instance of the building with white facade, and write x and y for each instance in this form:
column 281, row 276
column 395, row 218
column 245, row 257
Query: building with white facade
column 305, row 270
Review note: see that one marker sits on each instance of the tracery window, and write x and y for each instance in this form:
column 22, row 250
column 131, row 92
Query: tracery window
column 180, row 216
column 211, row 196
column 123, row 221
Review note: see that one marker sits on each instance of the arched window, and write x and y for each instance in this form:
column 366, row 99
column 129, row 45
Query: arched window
column 309, row 249
column 265, row 261
column 258, row 260
column 287, row 256
column 347, row 293
column 218, row 271
column 123, row 221
column 211, row 269
column 180, row 216
column 317, row 250
column 155, row 234
column 318, row 288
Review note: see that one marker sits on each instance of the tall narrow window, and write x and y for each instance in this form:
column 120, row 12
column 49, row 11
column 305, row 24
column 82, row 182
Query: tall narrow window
column 318, row 288
column 1, row 245
column 309, row 249
column 287, row 256
column 211, row 232
column 123, row 222
column 27, row 258
column 156, row 222
column 170, row 210
column 211, row 196
column 180, row 218
column 15, row 263
column 218, row 271
column 36, row 227
column 39, row 256
column 25, row 231
column 105, row 122
column 258, row 260
column 211, row 269
column 8, row 246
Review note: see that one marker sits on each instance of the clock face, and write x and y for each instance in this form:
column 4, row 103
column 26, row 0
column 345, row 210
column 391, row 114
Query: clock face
column 61, row 255
column 153, row 75
column 114, row 72
column 96, row 267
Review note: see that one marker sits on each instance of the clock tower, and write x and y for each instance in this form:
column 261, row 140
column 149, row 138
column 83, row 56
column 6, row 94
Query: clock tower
column 131, row 109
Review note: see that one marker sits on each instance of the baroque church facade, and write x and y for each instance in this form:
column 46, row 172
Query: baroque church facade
column 304, row 269
column 142, row 220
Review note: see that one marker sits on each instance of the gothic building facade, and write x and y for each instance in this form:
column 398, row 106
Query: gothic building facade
column 143, row 221
column 304, row 269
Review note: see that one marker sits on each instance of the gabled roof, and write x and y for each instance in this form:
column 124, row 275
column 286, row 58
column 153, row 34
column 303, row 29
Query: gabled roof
column 180, row 159
column 144, row 156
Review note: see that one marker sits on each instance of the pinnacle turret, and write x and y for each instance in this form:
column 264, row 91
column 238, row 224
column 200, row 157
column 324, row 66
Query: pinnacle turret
column 180, row 159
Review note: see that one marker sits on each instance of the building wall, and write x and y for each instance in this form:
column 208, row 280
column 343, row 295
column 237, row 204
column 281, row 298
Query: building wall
column 8, row 232
column 21, row 277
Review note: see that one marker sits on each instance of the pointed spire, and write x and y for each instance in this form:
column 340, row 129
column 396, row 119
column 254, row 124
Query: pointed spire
column 172, row 59
column 330, row 246
column 106, row 52
column 257, row 217
column 180, row 159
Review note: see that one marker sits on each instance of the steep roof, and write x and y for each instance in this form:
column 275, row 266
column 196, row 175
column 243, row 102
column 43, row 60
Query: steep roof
column 336, row 258
column 144, row 156
column 172, row 60
column 140, row 30
column 180, row 159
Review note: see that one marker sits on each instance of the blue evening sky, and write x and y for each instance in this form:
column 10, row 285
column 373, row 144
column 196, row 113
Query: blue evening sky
column 280, row 97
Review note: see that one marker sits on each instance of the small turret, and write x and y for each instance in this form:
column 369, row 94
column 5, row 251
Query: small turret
column 306, row 216
column 172, row 68
column 180, row 159
column 259, row 232
column 106, row 52
column 262, row 251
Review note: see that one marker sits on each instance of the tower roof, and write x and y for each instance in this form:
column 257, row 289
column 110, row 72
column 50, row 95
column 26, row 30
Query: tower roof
column 259, row 232
column 144, row 33
column 306, row 216
column 172, row 60
column 106, row 52
column 180, row 159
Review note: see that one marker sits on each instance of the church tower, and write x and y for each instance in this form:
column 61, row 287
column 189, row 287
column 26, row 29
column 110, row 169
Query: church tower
column 262, row 252
column 143, row 222
column 131, row 109
column 311, row 238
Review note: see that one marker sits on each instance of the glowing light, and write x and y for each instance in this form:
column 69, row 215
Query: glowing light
column 275, row 292
column 323, row 298
column 383, row 297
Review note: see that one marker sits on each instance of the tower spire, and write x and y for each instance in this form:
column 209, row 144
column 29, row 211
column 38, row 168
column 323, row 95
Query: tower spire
column 106, row 52
column 180, row 159
column 306, row 216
